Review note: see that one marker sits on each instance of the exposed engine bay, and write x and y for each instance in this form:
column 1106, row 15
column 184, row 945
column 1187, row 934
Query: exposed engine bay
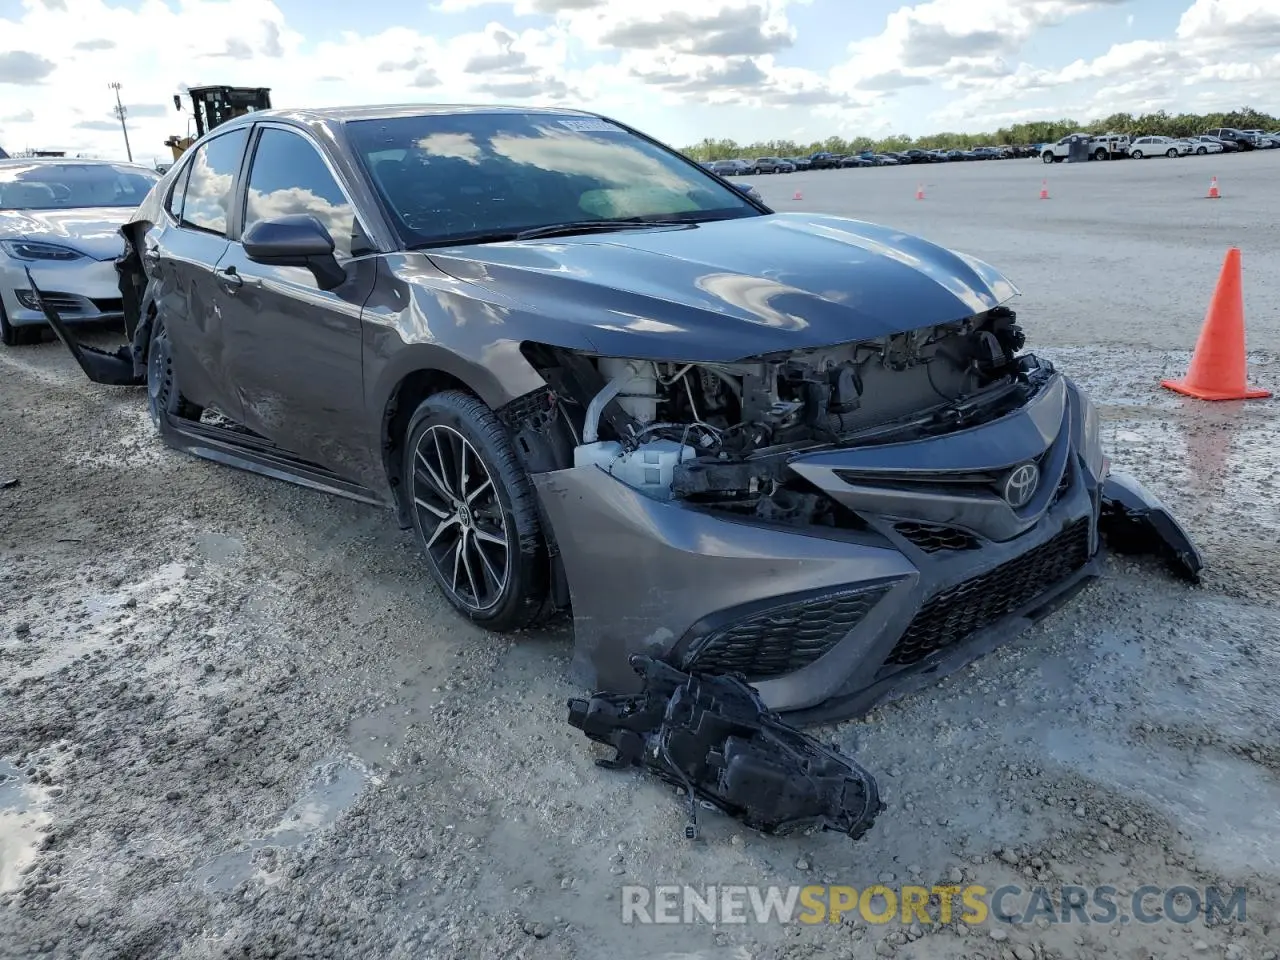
column 720, row 434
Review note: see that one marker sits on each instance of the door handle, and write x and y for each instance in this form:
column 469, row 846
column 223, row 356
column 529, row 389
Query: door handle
column 230, row 278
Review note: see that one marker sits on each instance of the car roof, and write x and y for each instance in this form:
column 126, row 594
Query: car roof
column 71, row 161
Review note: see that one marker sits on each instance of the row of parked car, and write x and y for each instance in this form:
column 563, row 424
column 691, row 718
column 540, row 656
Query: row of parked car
column 1108, row 146
column 831, row 161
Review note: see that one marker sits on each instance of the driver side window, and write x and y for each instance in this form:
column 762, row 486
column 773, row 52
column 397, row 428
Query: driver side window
column 289, row 177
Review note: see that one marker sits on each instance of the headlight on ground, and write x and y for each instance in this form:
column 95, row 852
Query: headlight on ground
column 35, row 250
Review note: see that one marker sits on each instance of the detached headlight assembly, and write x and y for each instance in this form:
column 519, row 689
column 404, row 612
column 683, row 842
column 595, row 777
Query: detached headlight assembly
column 35, row 250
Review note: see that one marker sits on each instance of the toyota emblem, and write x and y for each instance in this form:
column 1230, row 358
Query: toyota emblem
column 1020, row 485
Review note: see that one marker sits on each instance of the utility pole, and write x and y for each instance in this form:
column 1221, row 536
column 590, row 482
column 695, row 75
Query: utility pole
column 120, row 112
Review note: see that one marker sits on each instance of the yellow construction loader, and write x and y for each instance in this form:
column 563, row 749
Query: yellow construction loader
column 216, row 105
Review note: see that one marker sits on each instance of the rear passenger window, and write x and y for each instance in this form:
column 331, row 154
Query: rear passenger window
column 212, row 182
column 289, row 177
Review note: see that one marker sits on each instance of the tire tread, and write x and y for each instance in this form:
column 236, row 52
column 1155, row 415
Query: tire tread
column 530, row 565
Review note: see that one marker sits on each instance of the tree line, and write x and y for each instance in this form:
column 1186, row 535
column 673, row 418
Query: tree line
column 1160, row 123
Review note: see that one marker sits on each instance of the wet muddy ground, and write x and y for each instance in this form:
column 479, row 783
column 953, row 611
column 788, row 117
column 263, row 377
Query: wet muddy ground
column 237, row 721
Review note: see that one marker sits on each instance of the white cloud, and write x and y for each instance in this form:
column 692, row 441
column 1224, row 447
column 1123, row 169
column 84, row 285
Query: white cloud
column 945, row 37
column 1250, row 23
column 1225, row 53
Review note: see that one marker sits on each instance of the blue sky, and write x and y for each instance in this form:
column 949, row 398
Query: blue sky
column 746, row 69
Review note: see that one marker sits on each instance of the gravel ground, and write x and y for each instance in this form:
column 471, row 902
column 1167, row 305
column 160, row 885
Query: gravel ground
column 237, row 721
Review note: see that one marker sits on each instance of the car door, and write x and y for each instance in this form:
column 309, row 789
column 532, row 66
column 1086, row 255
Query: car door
column 183, row 258
column 297, row 349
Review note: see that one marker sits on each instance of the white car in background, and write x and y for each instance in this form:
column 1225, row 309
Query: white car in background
column 1159, row 147
column 1202, row 145
column 61, row 220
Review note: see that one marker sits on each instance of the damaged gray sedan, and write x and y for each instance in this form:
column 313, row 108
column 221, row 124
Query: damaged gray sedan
column 591, row 375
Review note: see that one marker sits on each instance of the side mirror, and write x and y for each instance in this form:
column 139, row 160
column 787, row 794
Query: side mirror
column 298, row 240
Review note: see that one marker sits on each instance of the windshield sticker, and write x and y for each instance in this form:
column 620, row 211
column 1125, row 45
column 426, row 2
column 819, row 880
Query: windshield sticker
column 592, row 125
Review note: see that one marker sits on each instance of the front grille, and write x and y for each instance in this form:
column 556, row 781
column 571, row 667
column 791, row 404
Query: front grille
column 62, row 302
column 782, row 639
column 932, row 537
column 109, row 304
column 956, row 613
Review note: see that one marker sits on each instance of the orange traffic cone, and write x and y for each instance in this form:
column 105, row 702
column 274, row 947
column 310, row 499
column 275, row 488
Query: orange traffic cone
column 1217, row 369
column 797, row 196
column 1213, row 189
column 920, row 192
column 1044, row 189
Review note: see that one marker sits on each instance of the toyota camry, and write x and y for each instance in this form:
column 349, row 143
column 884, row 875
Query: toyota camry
column 593, row 376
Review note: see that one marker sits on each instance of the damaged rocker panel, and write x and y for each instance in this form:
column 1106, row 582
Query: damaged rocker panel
column 229, row 446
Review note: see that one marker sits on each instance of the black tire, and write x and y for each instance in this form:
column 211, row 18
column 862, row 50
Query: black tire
column 23, row 336
column 1171, row 153
column 1201, row 151
column 164, row 394
column 1100, row 155
column 503, row 506
column 1047, row 156
column 1137, row 154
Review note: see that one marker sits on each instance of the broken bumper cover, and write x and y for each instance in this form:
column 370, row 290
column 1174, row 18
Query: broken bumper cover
column 826, row 622
column 1134, row 520
column 120, row 367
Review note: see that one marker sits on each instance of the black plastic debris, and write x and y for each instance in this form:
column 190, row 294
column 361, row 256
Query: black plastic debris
column 1133, row 521
column 113, row 369
column 713, row 736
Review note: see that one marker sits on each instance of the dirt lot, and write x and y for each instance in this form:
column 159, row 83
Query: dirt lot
column 237, row 721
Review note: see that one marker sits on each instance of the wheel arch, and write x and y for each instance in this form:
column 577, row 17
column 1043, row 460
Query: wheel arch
column 397, row 410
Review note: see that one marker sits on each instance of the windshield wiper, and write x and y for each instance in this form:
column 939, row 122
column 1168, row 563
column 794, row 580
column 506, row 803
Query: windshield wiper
column 591, row 226
column 548, row 230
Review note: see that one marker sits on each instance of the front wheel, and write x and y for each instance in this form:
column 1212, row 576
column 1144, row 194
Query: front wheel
column 18, row 336
column 475, row 512
column 1137, row 154
column 1100, row 155
column 1201, row 151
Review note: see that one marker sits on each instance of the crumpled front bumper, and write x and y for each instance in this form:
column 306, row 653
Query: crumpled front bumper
column 1134, row 520
column 832, row 621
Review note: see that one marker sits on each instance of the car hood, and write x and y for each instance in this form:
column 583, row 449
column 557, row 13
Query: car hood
column 733, row 289
column 94, row 231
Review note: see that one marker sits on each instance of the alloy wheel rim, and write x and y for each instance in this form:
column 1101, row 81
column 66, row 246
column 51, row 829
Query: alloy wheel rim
column 461, row 518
